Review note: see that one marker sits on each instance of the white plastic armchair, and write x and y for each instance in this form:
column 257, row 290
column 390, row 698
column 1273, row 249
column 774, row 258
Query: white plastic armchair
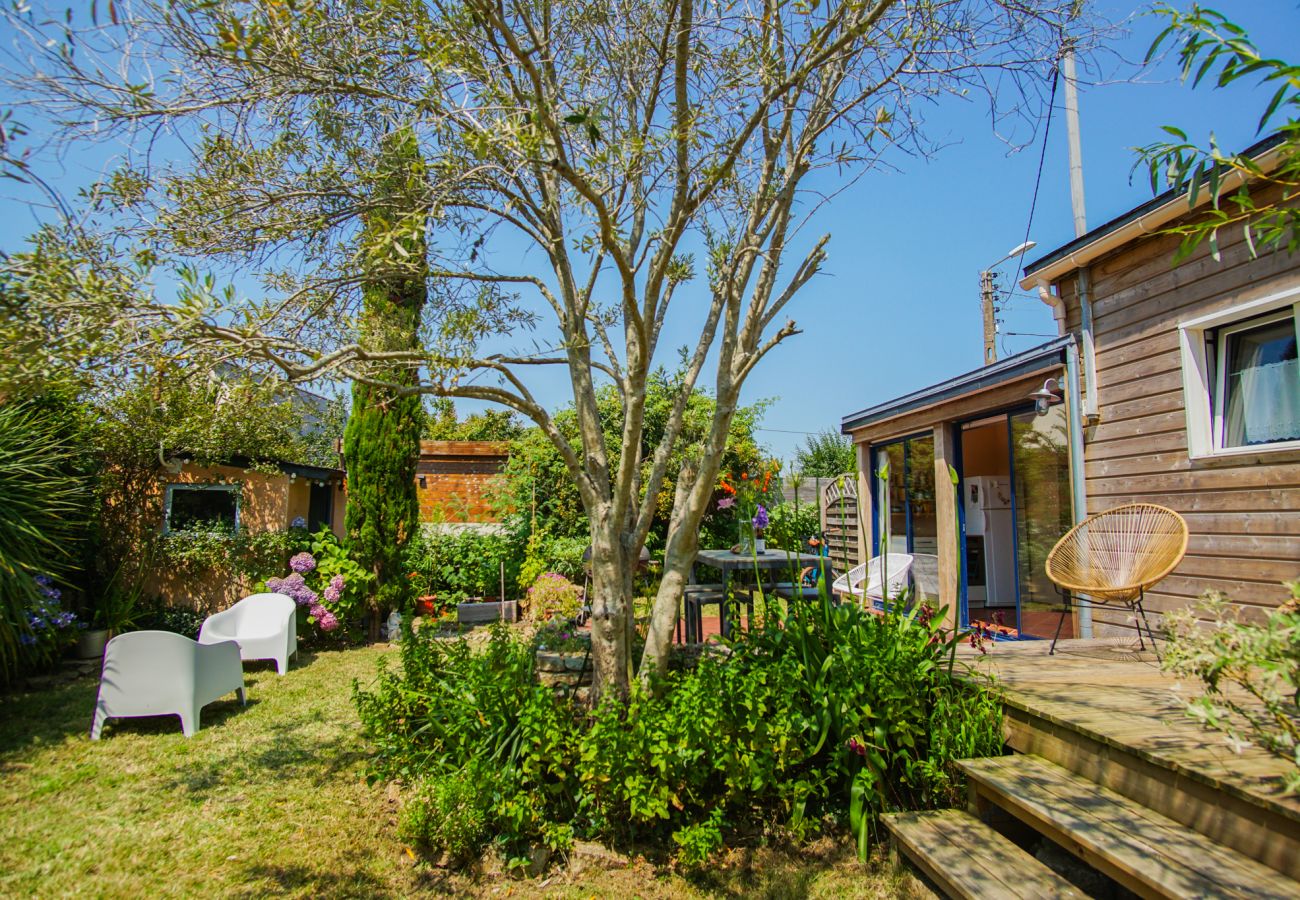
column 866, row 582
column 264, row 625
column 157, row 673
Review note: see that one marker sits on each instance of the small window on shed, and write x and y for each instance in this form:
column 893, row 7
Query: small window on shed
column 190, row 506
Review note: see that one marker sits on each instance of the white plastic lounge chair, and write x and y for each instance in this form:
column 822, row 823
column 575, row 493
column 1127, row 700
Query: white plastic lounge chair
column 866, row 581
column 264, row 625
column 157, row 673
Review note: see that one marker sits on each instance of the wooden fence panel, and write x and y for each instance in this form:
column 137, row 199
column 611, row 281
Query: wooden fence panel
column 840, row 524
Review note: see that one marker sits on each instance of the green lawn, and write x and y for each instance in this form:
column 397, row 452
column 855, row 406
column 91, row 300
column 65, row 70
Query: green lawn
column 270, row 800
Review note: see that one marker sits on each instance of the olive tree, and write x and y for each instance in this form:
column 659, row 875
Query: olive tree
column 592, row 166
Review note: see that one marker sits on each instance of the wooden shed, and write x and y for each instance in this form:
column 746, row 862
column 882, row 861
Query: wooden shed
column 453, row 479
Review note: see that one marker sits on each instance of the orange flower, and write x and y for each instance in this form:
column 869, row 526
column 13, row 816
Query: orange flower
column 744, row 476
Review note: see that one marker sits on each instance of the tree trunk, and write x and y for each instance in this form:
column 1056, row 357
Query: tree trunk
column 611, row 614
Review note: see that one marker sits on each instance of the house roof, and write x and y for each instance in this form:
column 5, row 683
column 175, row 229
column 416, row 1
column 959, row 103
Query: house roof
column 1147, row 217
column 302, row 470
column 1016, row 366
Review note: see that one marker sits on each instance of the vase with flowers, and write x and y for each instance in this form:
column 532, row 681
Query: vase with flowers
column 748, row 495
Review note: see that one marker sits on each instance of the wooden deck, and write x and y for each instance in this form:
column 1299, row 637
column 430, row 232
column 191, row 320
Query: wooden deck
column 1105, row 710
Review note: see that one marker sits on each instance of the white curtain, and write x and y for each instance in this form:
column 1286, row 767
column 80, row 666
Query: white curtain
column 1266, row 405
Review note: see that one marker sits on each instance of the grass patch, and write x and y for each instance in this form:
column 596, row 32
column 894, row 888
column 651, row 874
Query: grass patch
column 270, row 800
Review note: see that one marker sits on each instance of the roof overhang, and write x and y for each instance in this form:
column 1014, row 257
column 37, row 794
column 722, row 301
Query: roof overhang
column 1036, row 359
column 1141, row 220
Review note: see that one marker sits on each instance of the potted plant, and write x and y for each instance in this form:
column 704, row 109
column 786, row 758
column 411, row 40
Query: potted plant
column 113, row 614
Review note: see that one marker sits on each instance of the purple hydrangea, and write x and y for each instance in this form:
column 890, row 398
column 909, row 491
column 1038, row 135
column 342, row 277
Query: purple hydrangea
column 293, row 587
column 760, row 517
column 298, row 522
column 334, row 590
column 303, row 563
column 327, row 621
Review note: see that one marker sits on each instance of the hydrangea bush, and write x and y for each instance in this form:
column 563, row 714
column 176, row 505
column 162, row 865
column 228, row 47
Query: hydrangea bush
column 325, row 583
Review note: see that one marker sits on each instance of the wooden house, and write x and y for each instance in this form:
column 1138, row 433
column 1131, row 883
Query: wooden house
column 1171, row 383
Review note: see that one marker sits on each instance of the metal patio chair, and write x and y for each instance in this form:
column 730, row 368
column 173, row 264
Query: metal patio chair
column 1115, row 556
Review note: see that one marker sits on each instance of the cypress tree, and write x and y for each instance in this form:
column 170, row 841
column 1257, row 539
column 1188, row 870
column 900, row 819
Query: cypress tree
column 382, row 440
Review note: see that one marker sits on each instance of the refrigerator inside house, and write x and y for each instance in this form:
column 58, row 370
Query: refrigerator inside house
column 990, row 542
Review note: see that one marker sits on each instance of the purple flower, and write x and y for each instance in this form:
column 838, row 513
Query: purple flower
column 317, row 611
column 334, row 590
column 303, row 562
column 327, row 621
column 293, row 587
column 726, row 503
column 298, row 522
column 760, row 517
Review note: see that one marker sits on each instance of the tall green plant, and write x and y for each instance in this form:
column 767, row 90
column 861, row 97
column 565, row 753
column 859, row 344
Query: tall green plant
column 41, row 515
column 382, row 440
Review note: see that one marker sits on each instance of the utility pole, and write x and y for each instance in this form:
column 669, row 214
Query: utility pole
column 987, row 296
column 1076, row 147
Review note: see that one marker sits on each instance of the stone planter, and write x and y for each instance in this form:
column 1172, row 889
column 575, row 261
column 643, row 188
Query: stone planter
column 90, row 644
column 482, row 611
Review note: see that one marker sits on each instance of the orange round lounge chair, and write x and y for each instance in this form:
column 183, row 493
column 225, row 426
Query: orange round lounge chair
column 1115, row 556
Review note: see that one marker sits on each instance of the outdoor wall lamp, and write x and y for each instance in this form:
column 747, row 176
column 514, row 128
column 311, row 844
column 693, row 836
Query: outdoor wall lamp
column 1047, row 396
column 422, row 481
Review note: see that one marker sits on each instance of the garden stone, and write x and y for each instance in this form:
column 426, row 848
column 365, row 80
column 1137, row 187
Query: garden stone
column 590, row 855
column 550, row 662
column 538, row 857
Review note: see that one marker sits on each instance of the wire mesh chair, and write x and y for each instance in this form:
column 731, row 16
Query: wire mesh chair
column 1115, row 556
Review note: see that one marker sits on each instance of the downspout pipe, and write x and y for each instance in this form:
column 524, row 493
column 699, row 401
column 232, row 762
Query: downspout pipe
column 1078, row 488
column 1089, row 352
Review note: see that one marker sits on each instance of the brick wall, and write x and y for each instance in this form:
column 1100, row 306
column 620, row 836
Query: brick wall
column 453, row 477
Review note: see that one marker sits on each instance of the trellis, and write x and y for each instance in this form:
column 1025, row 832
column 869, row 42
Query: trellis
column 839, row 502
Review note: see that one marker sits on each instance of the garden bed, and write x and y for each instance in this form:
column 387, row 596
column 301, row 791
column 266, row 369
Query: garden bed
column 480, row 612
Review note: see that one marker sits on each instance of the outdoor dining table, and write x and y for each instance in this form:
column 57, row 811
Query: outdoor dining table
column 769, row 563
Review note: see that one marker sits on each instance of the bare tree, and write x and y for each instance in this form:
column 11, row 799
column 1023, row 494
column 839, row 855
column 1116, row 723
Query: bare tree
column 592, row 165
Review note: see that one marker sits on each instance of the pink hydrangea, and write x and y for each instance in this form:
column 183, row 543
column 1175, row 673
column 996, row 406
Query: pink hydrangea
column 326, row 621
column 334, row 590
column 302, row 563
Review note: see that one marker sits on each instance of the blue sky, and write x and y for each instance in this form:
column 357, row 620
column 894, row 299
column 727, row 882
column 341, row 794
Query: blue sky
column 897, row 307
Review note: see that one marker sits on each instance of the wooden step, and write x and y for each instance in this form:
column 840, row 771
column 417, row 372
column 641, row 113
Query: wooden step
column 1164, row 762
column 1149, row 853
column 966, row 858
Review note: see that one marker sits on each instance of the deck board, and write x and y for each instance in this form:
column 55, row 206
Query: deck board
column 1130, row 704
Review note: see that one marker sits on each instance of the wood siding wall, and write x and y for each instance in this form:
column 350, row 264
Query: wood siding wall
column 1243, row 512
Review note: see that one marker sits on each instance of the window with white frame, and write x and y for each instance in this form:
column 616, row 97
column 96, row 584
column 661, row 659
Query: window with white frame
column 188, row 506
column 1241, row 377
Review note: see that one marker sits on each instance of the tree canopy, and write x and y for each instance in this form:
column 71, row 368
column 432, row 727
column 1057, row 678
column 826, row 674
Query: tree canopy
column 592, row 166
column 1209, row 43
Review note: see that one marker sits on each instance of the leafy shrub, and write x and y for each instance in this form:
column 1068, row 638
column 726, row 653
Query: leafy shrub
column 41, row 516
column 449, row 813
column 329, row 587
column 209, row 549
column 459, row 563
column 700, row 841
column 1261, row 659
column 549, row 553
column 552, row 596
column 789, row 529
column 157, row 617
column 833, row 712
